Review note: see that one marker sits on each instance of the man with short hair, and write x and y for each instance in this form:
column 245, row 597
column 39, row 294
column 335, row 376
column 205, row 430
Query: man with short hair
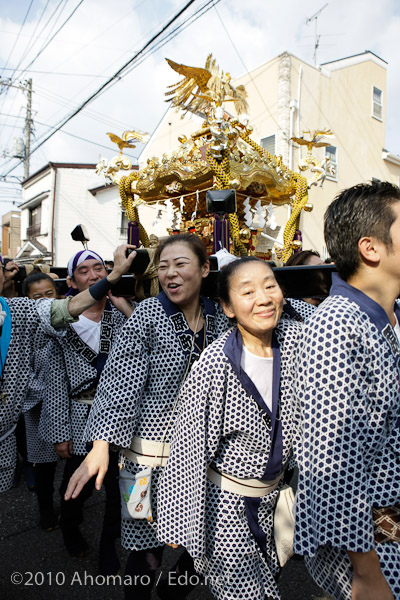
column 20, row 319
column 347, row 407
column 74, row 373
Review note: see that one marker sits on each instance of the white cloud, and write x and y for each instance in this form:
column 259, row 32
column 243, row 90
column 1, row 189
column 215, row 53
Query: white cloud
column 99, row 39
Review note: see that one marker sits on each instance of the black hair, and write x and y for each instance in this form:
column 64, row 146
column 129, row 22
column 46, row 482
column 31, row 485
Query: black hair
column 34, row 278
column 195, row 243
column 362, row 210
column 226, row 274
column 301, row 258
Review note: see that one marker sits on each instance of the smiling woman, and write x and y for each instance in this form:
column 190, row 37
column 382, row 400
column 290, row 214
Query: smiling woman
column 232, row 441
column 135, row 401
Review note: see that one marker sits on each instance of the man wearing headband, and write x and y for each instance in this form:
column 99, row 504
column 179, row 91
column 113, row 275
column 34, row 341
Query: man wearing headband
column 20, row 321
column 74, row 372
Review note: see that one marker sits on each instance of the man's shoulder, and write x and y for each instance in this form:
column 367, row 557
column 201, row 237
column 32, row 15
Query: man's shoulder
column 338, row 314
column 21, row 306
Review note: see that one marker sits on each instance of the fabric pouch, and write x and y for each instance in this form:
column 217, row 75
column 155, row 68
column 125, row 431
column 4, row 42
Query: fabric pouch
column 135, row 494
column 386, row 524
column 284, row 524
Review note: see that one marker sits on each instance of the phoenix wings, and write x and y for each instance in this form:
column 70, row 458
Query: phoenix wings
column 202, row 87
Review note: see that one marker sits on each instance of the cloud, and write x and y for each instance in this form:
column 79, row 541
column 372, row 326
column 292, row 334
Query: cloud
column 98, row 40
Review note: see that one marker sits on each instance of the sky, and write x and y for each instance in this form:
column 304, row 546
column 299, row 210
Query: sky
column 93, row 39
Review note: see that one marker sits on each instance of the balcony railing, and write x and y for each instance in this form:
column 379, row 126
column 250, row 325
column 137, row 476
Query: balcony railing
column 33, row 230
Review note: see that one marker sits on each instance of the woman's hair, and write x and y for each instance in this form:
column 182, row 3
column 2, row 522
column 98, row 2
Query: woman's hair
column 34, row 278
column 195, row 244
column 226, row 274
column 301, row 258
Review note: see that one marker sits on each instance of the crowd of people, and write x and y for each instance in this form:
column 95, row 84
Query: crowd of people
column 194, row 413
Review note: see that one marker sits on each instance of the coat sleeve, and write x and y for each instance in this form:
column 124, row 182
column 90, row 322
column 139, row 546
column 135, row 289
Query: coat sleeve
column 116, row 405
column 333, row 506
column 195, row 440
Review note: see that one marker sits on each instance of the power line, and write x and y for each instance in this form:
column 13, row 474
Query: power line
column 110, row 80
column 78, row 137
column 170, row 36
column 55, row 34
column 19, row 33
column 247, row 71
column 55, row 73
column 27, row 48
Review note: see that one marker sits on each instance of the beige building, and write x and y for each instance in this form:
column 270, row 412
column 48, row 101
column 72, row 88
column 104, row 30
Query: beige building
column 288, row 96
column 11, row 234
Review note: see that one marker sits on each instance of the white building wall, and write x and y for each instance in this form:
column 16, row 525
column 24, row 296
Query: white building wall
column 76, row 205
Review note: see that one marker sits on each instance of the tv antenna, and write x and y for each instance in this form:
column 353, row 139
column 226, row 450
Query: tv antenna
column 317, row 37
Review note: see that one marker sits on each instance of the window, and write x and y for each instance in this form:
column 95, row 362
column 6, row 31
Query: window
column 35, row 218
column 268, row 143
column 332, row 166
column 377, row 107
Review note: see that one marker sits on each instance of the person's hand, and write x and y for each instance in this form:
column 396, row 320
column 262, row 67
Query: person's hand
column 121, row 262
column 121, row 304
column 370, row 587
column 96, row 463
column 10, row 270
column 64, row 449
column 174, row 546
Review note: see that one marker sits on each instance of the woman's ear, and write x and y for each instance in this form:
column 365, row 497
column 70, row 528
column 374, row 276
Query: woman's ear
column 227, row 310
column 205, row 269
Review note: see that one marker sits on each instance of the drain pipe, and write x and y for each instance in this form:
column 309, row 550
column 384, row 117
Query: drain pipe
column 53, row 216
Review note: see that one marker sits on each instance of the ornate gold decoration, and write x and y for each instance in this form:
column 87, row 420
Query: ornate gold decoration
column 109, row 169
column 127, row 139
column 300, row 200
column 310, row 161
column 221, row 154
column 201, row 88
column 130, row 204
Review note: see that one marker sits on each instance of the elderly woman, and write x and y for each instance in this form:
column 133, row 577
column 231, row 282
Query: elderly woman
column 232, row 441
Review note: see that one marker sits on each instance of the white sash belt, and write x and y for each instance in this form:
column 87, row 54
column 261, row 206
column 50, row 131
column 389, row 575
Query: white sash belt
column 146, row 452
column 85, row 397
column 251, row 488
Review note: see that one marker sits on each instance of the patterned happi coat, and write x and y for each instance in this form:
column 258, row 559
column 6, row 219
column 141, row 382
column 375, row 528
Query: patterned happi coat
column 139, row 386
column 27, row 317
column 348, row 436
column 74, row 368
column 38, row 450
column 304, row 309
column 223, row 421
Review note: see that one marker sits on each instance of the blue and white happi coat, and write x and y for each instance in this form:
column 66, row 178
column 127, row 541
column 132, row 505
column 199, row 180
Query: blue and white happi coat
column 348, row 436
column 304, row 309
column 223, row 421
column 75, row 368
column 38, row 450
column 139, row 386
column 26, row 317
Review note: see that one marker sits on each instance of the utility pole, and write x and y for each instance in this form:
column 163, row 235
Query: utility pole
column 28, row 128
column 317, row 37
column 27, row 87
